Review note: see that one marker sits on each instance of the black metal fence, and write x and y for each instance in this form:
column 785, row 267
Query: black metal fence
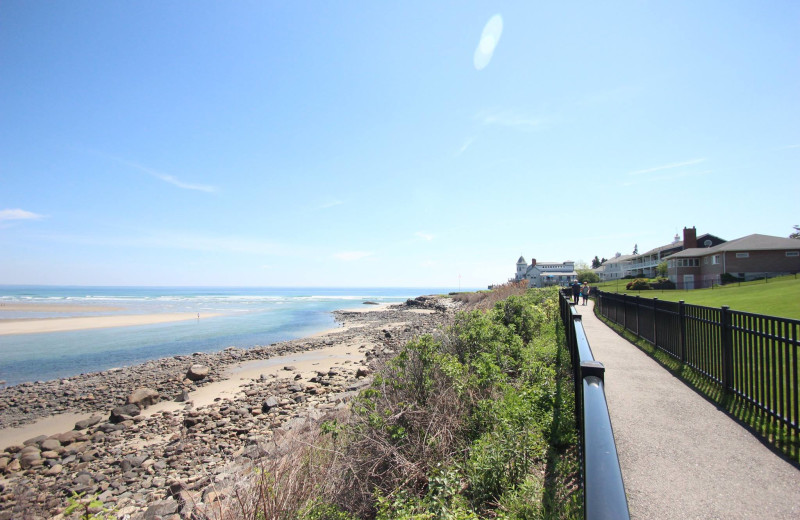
column 603, row 489
column 751, row 356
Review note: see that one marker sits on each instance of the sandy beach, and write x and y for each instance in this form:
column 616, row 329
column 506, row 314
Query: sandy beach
column 44, row 325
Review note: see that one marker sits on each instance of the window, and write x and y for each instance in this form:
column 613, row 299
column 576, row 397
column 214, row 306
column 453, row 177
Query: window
column 792, row 253
column 715, row 260
column 742, row 255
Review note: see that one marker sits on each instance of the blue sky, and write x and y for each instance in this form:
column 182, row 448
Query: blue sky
column 385, row 144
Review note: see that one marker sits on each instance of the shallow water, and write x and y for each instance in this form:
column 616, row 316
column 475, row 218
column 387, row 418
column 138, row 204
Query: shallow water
column 248, row 317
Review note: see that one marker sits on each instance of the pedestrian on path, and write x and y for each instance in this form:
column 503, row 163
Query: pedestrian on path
column 585, row 290
column 576, row 291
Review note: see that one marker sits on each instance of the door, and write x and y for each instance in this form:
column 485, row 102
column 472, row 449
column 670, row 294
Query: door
column 688, row 281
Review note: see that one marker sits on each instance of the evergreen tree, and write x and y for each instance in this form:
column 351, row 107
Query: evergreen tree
column 635, row 249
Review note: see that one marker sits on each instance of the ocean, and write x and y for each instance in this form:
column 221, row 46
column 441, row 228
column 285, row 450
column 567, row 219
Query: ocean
column 248, row 316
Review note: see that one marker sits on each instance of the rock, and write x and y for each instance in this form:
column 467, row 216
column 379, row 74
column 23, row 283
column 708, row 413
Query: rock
column 143, row 397
column 183, row 397
column 362, row 372
column 86, row 423
column 35, row 440
column 161, row 508
column 120, row 413
column 50, row 444
column 269, row 404
column 197, row 372
column 290, row 368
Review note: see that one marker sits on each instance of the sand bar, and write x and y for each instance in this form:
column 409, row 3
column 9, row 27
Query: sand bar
column 42, row 325
column 54, row 307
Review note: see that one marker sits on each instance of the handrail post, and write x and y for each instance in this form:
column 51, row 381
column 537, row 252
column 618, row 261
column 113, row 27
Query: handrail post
column 682, row 328
column 655, row 323
column 726, row 348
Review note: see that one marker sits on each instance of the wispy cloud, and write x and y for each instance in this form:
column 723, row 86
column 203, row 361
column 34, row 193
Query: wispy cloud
column 18, row 214
column 331, row 204
column 183, row 241
column 424, row 236
column 350, row 256
column 668, row 177
column 170, row 179
column 509, row 119
column 464, row 146
column 668, row 166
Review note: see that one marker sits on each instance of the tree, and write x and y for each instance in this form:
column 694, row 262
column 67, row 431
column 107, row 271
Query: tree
column 596, row 262
column 587, row 275
column 662, row 270
column 796, row 233
column 635, row 249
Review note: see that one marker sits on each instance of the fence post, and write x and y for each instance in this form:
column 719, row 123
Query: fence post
column 655, row 323
column 682, row 327
column 727, row 348
column 638, row 330
column 624, row 311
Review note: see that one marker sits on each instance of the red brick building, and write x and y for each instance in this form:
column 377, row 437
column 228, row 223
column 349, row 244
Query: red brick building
column 750, row 257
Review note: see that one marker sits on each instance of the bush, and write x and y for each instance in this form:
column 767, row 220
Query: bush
column 639, row 284
column 729, row 278
column 662, row 283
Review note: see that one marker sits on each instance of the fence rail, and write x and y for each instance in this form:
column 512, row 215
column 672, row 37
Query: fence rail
column 751, row 356
column 603, row 488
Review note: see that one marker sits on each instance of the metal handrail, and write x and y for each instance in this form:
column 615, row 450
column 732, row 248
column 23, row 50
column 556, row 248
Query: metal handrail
column 603, row 486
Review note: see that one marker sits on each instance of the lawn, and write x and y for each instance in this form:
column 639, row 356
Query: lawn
column 775, row 297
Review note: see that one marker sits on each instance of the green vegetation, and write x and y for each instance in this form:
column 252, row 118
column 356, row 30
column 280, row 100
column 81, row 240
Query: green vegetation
column 587, row 275
column 772, row 297
column 476, row 422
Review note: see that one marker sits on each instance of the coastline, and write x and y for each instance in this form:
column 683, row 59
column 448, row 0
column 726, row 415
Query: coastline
column 200, row 429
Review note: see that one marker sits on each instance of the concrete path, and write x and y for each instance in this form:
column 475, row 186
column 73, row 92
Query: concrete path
column 681, row 457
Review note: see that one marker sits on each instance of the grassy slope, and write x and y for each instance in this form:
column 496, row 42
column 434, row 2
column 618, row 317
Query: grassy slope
column 777, row 297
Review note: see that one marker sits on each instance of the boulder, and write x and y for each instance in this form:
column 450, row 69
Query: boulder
column 121, row 413
column 269, row 404
column 143, row 397
column 86, row 423
column 161, row 508
column 197, row 372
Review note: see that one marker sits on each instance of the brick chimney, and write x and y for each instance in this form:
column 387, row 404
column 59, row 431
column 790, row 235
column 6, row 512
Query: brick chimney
column 689, row 237
column 533, row 262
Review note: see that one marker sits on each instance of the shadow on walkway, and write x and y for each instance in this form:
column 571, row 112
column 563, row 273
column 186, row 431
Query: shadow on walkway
column 681, row 457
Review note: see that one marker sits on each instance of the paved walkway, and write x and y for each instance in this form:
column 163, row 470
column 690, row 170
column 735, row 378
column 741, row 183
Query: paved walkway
column 681, row 457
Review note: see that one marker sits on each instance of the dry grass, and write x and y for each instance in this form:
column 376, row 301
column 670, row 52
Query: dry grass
column 483, row 300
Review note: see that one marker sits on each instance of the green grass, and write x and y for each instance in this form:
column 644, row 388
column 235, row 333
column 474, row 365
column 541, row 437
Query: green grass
column 775, row 297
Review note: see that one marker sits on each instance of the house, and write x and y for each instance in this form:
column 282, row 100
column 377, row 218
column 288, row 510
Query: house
column 644, row 265
column 546, row 273
column 747, row 258
column 612, row 269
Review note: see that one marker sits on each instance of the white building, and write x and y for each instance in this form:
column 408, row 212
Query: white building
column 545, row 273
column 615, row 268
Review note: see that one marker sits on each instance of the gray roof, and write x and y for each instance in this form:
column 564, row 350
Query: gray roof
column 521, row 260
column 620, row 258
column 754, row 242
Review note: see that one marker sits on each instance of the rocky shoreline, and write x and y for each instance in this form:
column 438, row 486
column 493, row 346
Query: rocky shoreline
column 174, row 463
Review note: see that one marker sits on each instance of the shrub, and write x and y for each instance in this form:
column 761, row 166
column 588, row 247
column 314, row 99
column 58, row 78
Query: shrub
column 729, row 278
column 639, row 284
column 662, row 283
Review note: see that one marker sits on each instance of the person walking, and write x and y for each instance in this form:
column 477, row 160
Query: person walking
column 576, row 291
column 585, row 290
